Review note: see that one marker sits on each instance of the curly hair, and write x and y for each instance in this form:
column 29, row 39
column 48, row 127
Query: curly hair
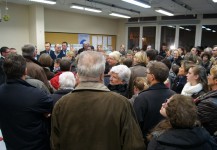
column 181, row 111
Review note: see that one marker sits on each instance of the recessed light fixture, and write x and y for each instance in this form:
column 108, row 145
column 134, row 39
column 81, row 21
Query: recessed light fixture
column 215, row 1
column 163, row 11
column 119, row 15
column 93, row 10
column 138, row 3
column 44, row 1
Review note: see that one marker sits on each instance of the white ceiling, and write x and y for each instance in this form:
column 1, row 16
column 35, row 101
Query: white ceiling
column 198, row 7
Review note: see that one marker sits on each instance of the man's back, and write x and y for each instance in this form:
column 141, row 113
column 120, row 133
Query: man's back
column 95, row 119
column 147, row 106
column 21, row 115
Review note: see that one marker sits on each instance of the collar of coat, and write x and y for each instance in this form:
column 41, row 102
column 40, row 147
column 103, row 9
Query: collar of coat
column 91, row 86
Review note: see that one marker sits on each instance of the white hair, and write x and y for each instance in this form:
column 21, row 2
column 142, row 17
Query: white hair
column 123, row 72
column 91, row 65
column 67, row 80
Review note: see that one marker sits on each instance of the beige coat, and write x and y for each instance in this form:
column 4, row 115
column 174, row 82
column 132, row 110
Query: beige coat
column 94, row 118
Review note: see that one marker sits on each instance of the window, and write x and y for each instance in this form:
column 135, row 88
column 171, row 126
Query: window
column 148, row 37
column 168, row 35
column 187, row 36
column 209, row 35
column 133, row 37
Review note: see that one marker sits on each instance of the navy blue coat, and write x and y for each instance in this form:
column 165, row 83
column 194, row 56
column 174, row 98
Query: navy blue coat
column 22, row 109
column 196, row 138
column 147, row 106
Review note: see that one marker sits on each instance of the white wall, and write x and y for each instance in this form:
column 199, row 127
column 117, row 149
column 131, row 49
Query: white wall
column 15, row 32
column 60, row 21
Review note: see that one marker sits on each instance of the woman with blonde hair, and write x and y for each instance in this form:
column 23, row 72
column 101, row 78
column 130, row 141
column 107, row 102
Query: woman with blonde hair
column 138, row 70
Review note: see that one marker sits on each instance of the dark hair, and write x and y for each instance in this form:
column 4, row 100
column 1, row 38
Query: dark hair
column 159, row 58
column 4, row 49
column 14, row 66
column 166, row 62
column 151, row 54
column 48, row 43
column 128, row 62
column 65, row 43
column 159, row 70
column 175, row 69
column 65, row 65
column 206, row 54
column 45, row 60
column 181, row 111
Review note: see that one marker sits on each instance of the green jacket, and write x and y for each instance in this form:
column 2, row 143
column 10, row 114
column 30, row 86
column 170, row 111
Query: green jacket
column 94, row 118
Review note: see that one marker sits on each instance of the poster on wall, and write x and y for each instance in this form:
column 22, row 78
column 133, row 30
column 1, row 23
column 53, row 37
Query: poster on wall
column 109, row 40
column 99, row 40
column 94, row 41
column 104, row 42
column 83, row 38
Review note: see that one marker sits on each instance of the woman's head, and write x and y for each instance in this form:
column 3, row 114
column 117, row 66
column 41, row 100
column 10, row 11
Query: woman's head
column 120, row 74
column 185, row 65
column 45, row 60
column 140, row 58
column 197, row 74
column 180, row 110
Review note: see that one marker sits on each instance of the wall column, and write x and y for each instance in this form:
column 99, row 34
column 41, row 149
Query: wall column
column 36, row 26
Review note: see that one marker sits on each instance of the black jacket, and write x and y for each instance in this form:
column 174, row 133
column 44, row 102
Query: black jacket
column 58, row 94
column 22, row 109
column 207, row 111
column 183, row 139
column 121, row 89
column 147, row 106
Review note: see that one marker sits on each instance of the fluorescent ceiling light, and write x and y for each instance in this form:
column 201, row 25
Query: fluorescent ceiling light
column 187, row 29
column 165, row 12
column 213, row 31
column 119, row 15
column 141, row 4
column 181, row 28
column 77, row 7
column 215, row 1
column 203, row 27
column 93, row 10
column 171, row 26
column 81, row 7
column 208, row 29
column 45, row 1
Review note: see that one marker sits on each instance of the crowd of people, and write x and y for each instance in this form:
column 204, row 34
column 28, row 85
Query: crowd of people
column 95, row 99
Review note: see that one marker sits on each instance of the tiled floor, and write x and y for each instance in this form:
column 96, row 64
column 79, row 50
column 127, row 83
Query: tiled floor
column 2, row 143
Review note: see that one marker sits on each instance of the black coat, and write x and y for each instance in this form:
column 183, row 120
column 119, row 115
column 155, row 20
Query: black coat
column 147, row 106
column 207, row 111
column 183, row 139
column 22, row 109
column 58, row 94
column 2, row 74
column 121, row 89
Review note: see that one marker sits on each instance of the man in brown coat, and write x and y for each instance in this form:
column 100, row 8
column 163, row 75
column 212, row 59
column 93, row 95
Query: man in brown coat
column 92, row 117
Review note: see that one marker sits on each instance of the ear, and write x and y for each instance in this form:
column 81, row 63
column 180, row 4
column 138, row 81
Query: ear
column 196, row 76
column 101, row 78
column 215, row 81
column 25, row 73
column 77, row 79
